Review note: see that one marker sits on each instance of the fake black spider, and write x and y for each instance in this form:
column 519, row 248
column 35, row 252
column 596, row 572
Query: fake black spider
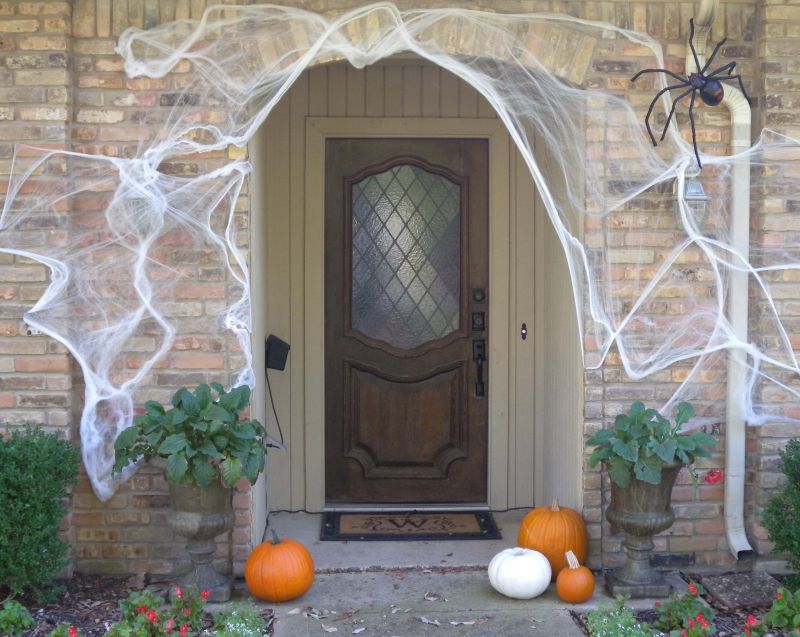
column 708, row 84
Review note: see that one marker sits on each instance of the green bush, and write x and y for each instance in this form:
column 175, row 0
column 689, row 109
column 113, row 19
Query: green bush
column 35, row 470
column 782, row 514
column 14, row 619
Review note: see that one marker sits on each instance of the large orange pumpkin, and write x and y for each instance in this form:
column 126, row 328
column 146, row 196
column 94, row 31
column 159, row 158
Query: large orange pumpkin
column 574, row 584
column 554, row 530
column 279, row 570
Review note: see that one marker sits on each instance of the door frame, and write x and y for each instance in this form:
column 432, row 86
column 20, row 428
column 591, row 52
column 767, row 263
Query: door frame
column 318, row 130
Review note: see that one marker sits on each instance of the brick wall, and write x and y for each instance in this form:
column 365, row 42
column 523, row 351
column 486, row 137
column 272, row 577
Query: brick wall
column 775, row 222
column 61, row 84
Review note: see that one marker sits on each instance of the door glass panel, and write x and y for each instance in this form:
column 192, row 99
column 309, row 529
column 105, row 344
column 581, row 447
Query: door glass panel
column 406, row 261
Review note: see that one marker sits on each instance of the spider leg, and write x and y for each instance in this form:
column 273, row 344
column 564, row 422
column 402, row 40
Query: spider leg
column 691, row 43
column 714, row 53
column 653, row 103
column 670, row 73
column 694, row 133
column 741, row 85
column 672, row 111
column 728, row 67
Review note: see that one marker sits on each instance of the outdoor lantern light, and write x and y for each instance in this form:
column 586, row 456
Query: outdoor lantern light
column 695, row 197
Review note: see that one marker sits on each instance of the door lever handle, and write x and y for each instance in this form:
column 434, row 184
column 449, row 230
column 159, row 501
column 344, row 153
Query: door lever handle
column 479, row 356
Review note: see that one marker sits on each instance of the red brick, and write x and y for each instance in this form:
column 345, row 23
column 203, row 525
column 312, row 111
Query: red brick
column 198, row 361
column 42, row 364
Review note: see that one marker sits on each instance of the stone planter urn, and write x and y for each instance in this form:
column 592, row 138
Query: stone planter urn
column 641, row 510
column 200, row 514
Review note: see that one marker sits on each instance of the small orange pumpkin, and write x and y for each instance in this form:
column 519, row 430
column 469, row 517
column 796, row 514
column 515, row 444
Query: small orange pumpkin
column 574, row 584
column 553, row 531
column 279, row 570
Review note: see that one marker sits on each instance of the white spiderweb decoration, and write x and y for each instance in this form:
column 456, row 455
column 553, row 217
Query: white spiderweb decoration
column 650, row 276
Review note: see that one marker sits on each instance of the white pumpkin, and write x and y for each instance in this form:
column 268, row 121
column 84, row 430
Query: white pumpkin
column 520, row 573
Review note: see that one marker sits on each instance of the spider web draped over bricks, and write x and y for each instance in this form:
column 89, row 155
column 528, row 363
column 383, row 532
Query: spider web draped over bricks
column 124, row 239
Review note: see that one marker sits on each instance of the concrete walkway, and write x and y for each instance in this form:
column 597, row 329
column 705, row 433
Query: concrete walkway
column 394, row 604
column 386, row 584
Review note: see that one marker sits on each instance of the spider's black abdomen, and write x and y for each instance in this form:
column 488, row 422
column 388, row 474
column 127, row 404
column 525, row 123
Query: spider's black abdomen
column 712, row 92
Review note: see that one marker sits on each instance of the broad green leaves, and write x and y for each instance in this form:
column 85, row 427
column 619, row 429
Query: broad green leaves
column 642, row 440
column 201, row 437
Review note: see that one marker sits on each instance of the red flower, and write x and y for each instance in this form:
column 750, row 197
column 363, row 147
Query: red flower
column 684, row 633
column 713, row 476
column 690, row 623
column 779, row 596
column 152, row 616
column 699, row 617
column 178, row 593
column 141, row 610
column 205, row 594
column 73, row 632
column 184, row 630
column 186, row 611
column 751, row 620
column 692, row 589
column 746, row 629
column 168, row 626
column 658, row 604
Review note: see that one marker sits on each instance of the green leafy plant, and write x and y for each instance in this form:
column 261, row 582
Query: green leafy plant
column 785, row 611
column 781, row 516
column 675, row 613
column 695, row 627
column 615, row 621
column 36, row 470
column 14, row 619
column 65, row 630
column 201, row 437
column 753, row 628
column 143, row 615
column 240, row 619
column 642, row 440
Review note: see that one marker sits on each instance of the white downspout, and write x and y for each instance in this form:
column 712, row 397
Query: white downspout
column 735, row 433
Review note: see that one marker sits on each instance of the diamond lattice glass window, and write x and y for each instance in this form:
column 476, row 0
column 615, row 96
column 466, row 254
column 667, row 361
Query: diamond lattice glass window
column 406, row 261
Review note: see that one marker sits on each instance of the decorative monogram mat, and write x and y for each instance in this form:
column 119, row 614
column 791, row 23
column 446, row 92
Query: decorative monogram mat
column 409, row 525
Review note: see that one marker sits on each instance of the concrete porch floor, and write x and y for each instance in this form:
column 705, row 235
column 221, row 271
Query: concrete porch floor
column 360, row 556
column 387, row 582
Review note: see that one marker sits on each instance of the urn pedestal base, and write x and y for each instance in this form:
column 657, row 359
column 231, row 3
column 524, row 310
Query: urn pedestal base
column 200, row 515
column 641, row 510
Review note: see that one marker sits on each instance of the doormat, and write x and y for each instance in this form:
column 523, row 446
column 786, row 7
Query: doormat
column 409, row 525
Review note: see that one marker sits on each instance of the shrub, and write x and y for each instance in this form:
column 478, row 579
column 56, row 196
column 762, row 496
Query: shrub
column 14, row 619
column 240, row 620
column 143, row 615
column 35, row 470
column 65, row 630
column 615, row 621
column 675, row 613
column 782, row 514
column 785, row 611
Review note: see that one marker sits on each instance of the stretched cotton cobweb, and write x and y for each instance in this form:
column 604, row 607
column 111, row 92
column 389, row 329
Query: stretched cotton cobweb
column 125, row 240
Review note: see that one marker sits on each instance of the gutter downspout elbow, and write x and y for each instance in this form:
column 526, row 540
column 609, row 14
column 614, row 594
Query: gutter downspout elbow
column 736, row 430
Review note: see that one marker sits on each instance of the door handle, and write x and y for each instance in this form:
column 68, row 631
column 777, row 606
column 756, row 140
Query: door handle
column 479, row 356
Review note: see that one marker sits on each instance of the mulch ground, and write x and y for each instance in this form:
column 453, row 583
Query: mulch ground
column 91, row 603
column 728, row 622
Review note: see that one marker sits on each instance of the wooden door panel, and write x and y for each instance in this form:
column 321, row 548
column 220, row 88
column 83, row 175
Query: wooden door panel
column 406, row 245
column 424, row 425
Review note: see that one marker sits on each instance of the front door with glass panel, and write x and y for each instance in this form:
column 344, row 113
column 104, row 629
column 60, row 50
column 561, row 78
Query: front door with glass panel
column 406, row 300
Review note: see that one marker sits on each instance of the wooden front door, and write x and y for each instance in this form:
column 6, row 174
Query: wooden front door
column 406, row 300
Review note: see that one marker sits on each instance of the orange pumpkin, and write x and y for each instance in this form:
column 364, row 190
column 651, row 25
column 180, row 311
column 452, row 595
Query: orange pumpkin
column 553, row 531
column 279, row 570
column 574, row 584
